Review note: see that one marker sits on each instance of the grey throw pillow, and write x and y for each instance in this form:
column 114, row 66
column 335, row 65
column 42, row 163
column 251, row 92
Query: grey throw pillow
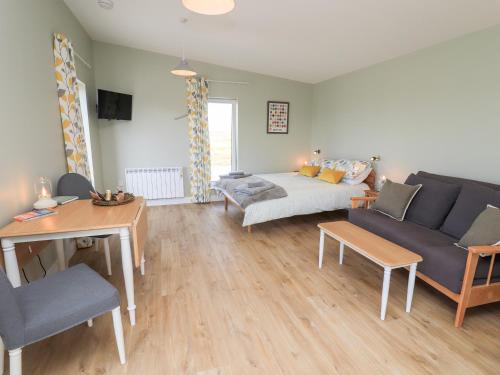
column 394, row 199
column 485, row 230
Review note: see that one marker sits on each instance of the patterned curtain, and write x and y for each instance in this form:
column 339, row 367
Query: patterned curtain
column 69, row 106
column 197, row 102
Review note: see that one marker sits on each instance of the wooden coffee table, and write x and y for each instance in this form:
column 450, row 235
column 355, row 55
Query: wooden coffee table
column 379, row 250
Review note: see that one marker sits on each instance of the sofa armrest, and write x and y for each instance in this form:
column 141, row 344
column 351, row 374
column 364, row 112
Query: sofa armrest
column 488, row 250
column 366, row 200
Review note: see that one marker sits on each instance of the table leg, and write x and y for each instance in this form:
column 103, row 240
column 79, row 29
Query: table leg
column 69, row 247
column 411, row 286
column 321, row 247
column 11, row 266
column 143, row 270
column 107, row 255
column 385, row 291
column 61, row 262
column 341, row 253
column 128, row 272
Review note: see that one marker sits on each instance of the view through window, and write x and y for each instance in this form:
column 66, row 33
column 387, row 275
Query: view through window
column 222, row 114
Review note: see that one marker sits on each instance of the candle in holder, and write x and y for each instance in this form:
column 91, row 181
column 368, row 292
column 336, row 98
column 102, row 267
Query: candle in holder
column 43, row 189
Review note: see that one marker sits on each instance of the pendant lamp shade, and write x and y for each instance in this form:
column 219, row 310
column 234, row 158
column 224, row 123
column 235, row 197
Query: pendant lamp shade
column 183, row 69
column 209, row 7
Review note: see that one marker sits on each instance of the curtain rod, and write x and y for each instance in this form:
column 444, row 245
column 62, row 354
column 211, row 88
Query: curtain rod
column 82, row 60
column 228, row 82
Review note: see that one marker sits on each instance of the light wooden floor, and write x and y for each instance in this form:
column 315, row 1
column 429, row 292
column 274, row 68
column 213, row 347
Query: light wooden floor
column 217, row 300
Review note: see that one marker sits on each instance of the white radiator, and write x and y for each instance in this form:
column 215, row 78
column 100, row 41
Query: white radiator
column 155, row 183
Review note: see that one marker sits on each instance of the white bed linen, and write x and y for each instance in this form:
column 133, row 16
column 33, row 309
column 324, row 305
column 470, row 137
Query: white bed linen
column 306, row 195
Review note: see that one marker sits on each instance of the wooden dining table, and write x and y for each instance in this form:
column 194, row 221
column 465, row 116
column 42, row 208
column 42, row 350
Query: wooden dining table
column 81, row 218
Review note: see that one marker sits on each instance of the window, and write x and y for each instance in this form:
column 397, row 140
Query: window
column 222, row 125
column 82, row 94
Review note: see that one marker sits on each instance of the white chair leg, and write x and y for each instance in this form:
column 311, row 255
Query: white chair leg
column 96, row 246
column 120, row 342
column 2, row 349
column 106, row 254
column 90, row 323
column 16, row 362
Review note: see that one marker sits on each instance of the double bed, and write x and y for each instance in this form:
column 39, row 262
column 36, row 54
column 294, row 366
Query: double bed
column 306, row 195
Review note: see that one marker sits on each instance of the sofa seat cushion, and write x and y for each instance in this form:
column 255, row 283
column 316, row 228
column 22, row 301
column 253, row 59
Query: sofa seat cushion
column 471, row 201
column 442, row 260
column 63, row 300
column 432, row 203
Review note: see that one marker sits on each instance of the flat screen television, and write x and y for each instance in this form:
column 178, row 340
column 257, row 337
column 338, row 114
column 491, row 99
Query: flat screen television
column 114, row 105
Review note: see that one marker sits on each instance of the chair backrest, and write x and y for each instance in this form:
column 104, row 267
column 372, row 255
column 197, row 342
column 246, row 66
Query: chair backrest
column 11, row 318
column 74, row 184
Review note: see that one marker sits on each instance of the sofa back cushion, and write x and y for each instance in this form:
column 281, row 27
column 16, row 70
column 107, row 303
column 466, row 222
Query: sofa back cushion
column 472, row 200
column 456, row 180
column 433, row 202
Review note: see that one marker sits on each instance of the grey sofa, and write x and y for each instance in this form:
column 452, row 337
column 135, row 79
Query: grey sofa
column 440, row 214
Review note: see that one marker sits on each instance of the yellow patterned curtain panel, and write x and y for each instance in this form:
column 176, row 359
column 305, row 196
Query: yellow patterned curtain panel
column 69, row 106
column 199, row 140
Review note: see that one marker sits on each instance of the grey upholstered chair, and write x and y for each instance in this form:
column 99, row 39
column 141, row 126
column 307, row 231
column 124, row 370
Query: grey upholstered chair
column 77, row 185
column 51, row 305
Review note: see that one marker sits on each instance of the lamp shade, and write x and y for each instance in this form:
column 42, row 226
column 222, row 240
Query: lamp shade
column 183, row 69
column 209, row 7
column 43, row 189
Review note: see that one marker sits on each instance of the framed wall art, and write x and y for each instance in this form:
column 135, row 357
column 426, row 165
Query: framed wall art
column 277, row 117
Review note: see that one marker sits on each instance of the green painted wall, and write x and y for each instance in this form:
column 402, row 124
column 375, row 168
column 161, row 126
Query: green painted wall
column 154, row 138
column 32, row 141
column 436, row 110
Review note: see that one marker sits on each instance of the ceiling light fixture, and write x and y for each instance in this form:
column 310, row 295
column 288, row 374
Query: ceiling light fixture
column 106, row 4
column 183, row 69
column 209, row 7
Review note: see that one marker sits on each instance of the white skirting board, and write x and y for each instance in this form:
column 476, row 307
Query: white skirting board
column 166, row 202
column 173, row 201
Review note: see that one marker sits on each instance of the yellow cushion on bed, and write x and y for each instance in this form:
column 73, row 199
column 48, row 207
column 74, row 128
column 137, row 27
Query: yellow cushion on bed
column 309, row 170
column 330, row 175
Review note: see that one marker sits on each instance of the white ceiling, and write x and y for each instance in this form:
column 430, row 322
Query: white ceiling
column 303, row 40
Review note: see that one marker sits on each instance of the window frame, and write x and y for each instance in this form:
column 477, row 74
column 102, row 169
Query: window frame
column 234, row 128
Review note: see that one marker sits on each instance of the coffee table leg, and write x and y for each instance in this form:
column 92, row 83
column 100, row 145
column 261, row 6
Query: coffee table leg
column 321, row 247
column 341, row 253
column 411, row 286
column 385, row 291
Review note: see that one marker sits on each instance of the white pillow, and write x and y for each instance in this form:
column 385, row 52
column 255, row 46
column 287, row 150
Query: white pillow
column 358, row 180
column 314, row 162
column 327, row 163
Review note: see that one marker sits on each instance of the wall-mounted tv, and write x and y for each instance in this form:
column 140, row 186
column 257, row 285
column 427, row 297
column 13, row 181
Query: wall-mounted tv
column 114, row 105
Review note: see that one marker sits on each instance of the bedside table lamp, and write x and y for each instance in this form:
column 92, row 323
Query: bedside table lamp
column 43, row 189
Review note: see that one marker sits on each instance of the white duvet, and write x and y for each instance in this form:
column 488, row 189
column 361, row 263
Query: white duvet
column 306, row 195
